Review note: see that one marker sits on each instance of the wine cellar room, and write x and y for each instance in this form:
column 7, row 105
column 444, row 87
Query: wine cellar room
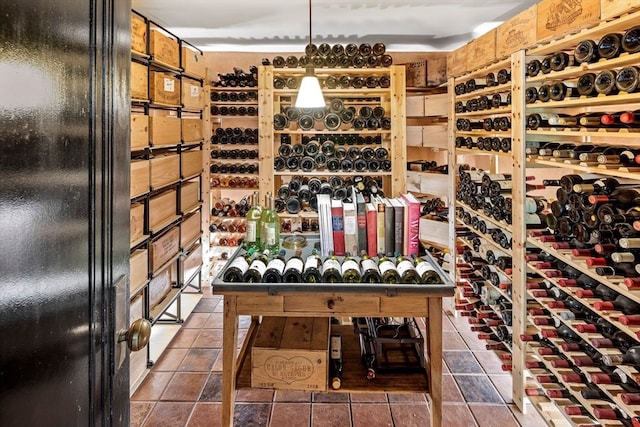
column 347, row 214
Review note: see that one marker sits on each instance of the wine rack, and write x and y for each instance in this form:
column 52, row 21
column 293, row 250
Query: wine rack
column 358, row 137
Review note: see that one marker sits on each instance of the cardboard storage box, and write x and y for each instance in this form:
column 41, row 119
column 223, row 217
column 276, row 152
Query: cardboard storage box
column 192, row 130
column 291, row 353
column 164, row 89
column 138, row 270
column 162, row 210
column 138, row 34
column 139, row 132
column 164, row 48
column 164, row 130
column 164, row 170
column 189, row 196
column 164, row 248
column 139, row 81
column 192, row 94
column 193, row 63
column 139, row 177
column 190, row 229
column 191, row 163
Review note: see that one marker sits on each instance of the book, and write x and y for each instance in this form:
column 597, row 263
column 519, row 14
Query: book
column 337, row 226
column 361, row 221
column 380, row 229
column 372, row 229
column 325, row 224
column 389, row 231
column 350, row 227
column 412, row 227
column 398, row 224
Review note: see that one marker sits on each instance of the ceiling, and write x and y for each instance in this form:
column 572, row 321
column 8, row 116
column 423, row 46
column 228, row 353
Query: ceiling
column 283, row 26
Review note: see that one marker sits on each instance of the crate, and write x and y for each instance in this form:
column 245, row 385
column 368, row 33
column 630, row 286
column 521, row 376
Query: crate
column 190, row 229
column 415, row 106
column 434, row 232
column 189, row 196
column 192, row 130
column 164, row 248
column 162, row 210
column 434, row 136
column 456, row 61
column 139, row 184
column 191, row 163
column 139, row 132
column 164, row 89
column 436, row 71
column 192, row 94
column 614, row 8
column 159, row 287
column 436, row 105
column 416, row 74
column 557, row 18
column 136, row 221
column 193, row 63
column 484, row 51
column 191, row 263
column 138, row 34
column 164, row 170
column 139, row 81
column 138, row 270
column 517, row 33
column 164, row 130
column 164, row 48
column 291, row 353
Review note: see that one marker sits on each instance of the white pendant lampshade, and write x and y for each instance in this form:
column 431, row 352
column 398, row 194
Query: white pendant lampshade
column 310, row 94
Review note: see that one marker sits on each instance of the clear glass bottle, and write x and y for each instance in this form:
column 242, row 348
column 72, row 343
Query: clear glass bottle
column 253, row 225
column 270, row 226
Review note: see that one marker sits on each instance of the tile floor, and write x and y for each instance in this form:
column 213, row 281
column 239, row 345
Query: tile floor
column 184, row 387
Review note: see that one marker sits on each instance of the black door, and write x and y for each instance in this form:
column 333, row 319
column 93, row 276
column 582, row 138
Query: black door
column 64, row 211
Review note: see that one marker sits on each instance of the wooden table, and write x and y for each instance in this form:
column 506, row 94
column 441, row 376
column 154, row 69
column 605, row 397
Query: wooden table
column 334, row 300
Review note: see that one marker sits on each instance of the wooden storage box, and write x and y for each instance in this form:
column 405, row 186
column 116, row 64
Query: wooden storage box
column 189, row 196
column 159, row 287
column 416, row 74
column 191, row 263
column 138, row 270
column 436, row 71
column 434, row 232
column 139, row 177
column 164, row 48
column 162, row 210
column 138, row 33
column 517, row 33
column 415, row 106
column 192, row 94
column 457, row 61
column 557, row 18
column 164, row 248
column 482, row 51
column 139, row 132
column 414, row 136
column 164, row 89
column 136, row 221
column 291, row 353
column 191, row 163
column 164, row 170
column 139, row 81
column 164, row 130
column 434, row 135
column 614, row 8
column 436, row 105
column 192, row 130
column 190, row 229
column 193, row 63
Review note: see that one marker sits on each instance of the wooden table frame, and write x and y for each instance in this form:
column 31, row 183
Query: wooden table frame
column 327, row 300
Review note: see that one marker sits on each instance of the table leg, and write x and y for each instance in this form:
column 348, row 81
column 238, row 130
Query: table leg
column 229, row 364
column 434, row 343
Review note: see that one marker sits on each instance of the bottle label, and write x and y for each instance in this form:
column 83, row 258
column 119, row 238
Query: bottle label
column 368, row 265
column 330, row 264
column 311, row 262
column 270, row 234
column 404, row 266
column 386, row 266
column 423, row 267
column 295, row 263
column 251, row 231
column 276, row 264
column 349, row 264
column 240, row 263
column 259, row 266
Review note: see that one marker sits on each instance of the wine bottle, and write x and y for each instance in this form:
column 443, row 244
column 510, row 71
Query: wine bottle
column 331, row 269
column 253, row 225
column 293, row 268
column 236, row 270
column 312, row 265
column 350, row 269
column 335, row 361
column 270, row 226
column 628, row 79
column 369, row 269
column 586, row 85
column 610, row 46
column 388, row 270
column 257, row 267
column 586, row 52
column 605, row 82
column 275, row 268
column 407, row 271
column 560, row 90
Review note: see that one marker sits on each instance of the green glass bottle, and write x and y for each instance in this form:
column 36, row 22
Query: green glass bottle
column 293, row 269
column 369, row 269
column 407, row 271
column 331, row 271
column 252, row 239
column 350, row 269
column 388, row 271
column 238, row 267
column 426, row 271
column 257, row 267
column 311, row 273
column 275, row 268
column 270, row 226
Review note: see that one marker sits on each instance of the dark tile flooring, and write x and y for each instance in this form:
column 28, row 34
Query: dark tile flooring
column 184, row 387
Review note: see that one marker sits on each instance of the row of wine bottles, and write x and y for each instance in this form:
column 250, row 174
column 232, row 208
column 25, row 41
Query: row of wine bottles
column 336, row 139
column 235, row 96
column 586, row 154
column 344, row 81
column 227, row 239
column 312, row 147
column 484, row 143
column 235, row 135
column 230, row 225
column 267, row 267
column 484, row 102
column 488, row 124
column 300, row 192
column 605, row 82
column 227, row 181
column 238, row 78
column 299, row 225
column 498, row 234
column 226, row 207
column 233, row 110
column 333, row 164
column 427, row 166
column 250, row 168
column 367, row 118
column 621, row 119
column 609, row 46
column 234, row 154
column 503, row 76
column 336, row 56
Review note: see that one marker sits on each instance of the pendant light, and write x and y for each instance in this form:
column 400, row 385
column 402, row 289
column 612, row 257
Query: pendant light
column 310, row 94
